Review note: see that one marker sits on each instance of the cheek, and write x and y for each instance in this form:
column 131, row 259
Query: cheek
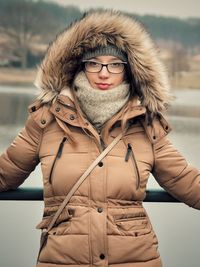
column 90, row 77
column 119, row 80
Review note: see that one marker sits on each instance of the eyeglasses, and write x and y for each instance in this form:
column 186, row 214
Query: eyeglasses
column 95, row 67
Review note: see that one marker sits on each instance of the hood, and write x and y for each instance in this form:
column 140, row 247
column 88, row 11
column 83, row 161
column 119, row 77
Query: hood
column 63, row 56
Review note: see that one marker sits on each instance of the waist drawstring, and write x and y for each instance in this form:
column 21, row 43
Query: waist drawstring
column 128, row 153
column 58, row 155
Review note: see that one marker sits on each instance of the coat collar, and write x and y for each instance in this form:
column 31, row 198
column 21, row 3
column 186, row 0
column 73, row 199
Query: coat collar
column 65, row 110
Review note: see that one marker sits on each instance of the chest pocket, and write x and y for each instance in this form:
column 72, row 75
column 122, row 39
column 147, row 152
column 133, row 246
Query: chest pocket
column 130, row 154
column 125, row 148
column 131, row 134
column 135, row 149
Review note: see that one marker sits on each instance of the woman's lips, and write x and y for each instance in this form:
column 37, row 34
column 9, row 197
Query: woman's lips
column 103, row 86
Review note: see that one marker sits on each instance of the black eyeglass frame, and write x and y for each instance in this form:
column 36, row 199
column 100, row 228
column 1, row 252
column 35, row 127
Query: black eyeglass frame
column 104, row 65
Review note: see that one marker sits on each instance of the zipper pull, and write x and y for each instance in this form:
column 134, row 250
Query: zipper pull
column 61, row 147
column 129, row 150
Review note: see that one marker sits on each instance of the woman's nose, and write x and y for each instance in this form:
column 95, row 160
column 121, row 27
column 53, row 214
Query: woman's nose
column 104, row 73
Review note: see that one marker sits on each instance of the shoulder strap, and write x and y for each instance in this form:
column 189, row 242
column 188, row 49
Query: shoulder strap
column 82, row 178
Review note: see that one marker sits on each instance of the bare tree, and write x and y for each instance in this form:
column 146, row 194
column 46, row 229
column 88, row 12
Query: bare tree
column 24, row 22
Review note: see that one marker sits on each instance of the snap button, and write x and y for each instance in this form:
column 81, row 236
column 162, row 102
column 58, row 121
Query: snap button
column 57, row 109
column 102, row 256
column 100, row 209
column 100, row 164
column 43, row 121
column 72, row 117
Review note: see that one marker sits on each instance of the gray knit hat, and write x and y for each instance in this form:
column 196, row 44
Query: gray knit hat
column 109, row 50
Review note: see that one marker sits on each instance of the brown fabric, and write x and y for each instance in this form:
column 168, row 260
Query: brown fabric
column 107, row 213
column 105, row 223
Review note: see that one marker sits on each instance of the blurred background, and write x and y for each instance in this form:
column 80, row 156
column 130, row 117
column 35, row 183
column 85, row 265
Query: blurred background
column 26, row 29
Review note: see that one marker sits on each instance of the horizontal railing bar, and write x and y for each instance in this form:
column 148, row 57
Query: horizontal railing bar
column 36, row 194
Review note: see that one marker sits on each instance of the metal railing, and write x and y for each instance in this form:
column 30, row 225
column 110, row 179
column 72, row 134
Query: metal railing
column 36, row 194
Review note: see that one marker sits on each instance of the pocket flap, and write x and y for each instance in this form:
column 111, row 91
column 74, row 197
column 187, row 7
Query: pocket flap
column 66, row 215
column 44, row 223
column 130, row 216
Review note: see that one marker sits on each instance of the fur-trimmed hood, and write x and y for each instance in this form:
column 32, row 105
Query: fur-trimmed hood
column 63, row 56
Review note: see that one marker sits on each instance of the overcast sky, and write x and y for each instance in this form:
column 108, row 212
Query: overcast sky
column 178, row 8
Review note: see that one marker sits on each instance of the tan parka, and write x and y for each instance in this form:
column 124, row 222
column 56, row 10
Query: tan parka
column 104, row 223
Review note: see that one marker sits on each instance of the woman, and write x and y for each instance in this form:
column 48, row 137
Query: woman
column 100, row 77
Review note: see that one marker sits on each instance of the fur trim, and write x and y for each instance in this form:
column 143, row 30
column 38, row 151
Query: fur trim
column 63, row 56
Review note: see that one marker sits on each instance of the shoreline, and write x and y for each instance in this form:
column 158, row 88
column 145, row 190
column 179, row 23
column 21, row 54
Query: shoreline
column 26, row 78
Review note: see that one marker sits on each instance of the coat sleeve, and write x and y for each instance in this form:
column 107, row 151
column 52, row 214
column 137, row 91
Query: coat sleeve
column 175, row 175
column 21, row 157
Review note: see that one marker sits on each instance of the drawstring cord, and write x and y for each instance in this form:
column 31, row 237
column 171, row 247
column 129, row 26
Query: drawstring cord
column 58, row 155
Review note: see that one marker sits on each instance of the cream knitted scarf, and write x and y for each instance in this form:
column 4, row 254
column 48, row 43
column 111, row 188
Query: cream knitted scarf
column 99, row 106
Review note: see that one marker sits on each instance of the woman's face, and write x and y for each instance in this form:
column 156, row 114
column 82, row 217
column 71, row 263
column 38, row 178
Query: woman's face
column 104, row 80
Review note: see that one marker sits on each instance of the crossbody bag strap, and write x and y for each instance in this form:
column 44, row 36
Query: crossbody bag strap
column 81, row 179
column 74, row 188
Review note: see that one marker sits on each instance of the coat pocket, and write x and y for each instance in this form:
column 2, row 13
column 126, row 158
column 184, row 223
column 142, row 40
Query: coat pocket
column 63, row 219
column 135, row 224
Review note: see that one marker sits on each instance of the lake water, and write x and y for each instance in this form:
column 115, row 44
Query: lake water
column 176, row 225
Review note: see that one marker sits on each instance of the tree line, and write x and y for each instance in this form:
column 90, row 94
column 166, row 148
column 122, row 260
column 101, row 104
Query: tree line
column 26, row 25
column 184, row 31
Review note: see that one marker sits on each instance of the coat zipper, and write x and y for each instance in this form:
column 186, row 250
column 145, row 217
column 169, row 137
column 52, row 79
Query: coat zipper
column 58, row 155
column 103, row 146
column 128, row 153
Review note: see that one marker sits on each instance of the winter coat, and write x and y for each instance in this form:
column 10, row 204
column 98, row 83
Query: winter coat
column 105, row 223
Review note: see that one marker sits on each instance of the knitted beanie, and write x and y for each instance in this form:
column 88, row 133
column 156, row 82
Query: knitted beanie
column 110, row 50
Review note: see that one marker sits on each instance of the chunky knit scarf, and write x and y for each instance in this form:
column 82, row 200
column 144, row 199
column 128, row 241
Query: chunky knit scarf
column 98, row 105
